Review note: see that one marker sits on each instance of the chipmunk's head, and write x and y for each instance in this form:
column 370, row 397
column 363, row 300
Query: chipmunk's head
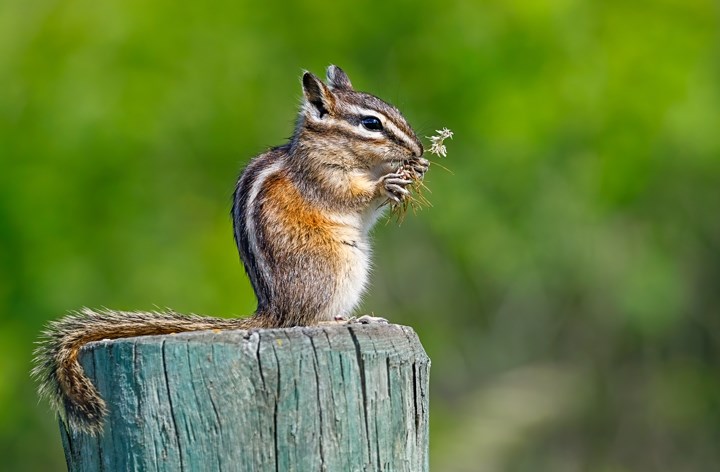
column 354, row 123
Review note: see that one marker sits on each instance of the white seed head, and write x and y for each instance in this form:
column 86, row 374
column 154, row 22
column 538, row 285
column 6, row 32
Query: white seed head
column 437, row 147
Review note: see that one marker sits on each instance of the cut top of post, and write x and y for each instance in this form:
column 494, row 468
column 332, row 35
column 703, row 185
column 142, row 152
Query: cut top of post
column 331, row 397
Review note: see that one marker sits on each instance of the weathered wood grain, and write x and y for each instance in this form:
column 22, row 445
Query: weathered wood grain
column 330, row 398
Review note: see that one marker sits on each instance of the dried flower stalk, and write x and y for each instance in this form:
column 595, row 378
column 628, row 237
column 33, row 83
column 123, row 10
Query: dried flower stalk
column 416, row 200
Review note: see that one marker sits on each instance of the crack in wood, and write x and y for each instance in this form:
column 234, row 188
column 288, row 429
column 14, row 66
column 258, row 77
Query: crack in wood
column 363, row 384
column 163, row 345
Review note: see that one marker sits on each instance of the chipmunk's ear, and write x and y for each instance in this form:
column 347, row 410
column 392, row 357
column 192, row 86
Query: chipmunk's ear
column 319, row 99
column 338, row 79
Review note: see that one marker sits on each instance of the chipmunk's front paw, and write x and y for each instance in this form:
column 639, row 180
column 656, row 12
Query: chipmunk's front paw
column 417, row 166
column 393, row 186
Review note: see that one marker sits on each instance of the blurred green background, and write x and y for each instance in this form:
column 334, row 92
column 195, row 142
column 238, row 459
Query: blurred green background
column 565, row 283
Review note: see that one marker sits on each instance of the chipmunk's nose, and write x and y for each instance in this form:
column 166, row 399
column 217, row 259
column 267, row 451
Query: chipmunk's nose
column 419, row 150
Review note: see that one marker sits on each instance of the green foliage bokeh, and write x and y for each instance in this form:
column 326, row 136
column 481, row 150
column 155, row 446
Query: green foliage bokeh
column 565, row 283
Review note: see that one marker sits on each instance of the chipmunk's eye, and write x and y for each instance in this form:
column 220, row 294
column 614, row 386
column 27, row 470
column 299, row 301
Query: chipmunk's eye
column 371, row 123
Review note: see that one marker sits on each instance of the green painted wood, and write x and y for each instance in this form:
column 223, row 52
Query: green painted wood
column 329, row 398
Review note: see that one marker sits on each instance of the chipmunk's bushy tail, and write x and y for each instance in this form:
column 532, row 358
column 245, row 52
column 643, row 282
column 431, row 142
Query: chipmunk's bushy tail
column 61, row 377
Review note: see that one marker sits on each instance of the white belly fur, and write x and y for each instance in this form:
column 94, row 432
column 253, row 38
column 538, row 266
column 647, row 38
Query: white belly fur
column 356, row 257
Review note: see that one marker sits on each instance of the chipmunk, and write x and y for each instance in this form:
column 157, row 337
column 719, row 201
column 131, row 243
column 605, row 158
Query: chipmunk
column 301, row 216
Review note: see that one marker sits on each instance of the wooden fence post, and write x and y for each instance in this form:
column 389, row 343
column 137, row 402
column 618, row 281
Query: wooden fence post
column 328, row 398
